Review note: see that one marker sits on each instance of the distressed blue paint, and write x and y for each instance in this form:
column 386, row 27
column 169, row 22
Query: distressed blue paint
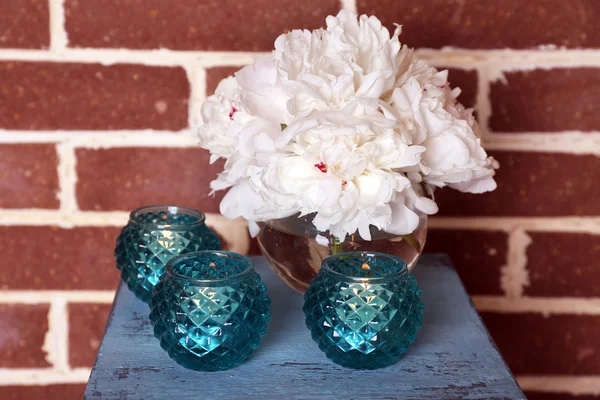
column 453, row 357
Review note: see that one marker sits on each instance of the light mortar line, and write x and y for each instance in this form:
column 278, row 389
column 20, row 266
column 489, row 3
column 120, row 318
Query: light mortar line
column 483, row 105
column 569, row 142
column 58, row 33
column 105, row 139
column 510, row 60
column 57, row 337
column 574, row 385
column 11, row 377
column 508, row 224
column 33, row 217
column 349, row 5
column 514, row 275
column 48, row 296
column 542, row 305
column 235, row 231
column 197, row 78
column 162, row 57
column 452, row 57
column 67, row 178
column 591, row 225
column 487, row 73
column 20, row 137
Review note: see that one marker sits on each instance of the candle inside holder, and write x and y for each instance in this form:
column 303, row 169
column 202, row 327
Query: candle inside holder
column 364, row 309
column 210, row 310
column 153, row 236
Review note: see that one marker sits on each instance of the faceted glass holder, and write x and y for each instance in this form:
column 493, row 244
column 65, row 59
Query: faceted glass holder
column 153, row 236
column 363, row 309
column 210, row 310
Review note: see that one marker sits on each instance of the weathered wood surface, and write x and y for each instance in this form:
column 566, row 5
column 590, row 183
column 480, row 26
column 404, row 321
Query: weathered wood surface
column 453, row 357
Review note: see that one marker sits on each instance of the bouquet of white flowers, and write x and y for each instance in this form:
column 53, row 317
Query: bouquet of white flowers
column 343, row 123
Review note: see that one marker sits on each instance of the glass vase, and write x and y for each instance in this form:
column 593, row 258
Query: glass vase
column 210, row 310
column 363, row 309
column 153, row 236
column 290, row 247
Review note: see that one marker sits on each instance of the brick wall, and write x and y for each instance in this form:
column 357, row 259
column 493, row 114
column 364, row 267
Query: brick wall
column 96, row 103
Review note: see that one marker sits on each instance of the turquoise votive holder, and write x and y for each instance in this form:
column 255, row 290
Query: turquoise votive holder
column 363, row 309
column 153, row 236
column 210, row 310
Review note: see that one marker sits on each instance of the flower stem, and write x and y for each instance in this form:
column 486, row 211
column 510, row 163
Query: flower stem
column 336, row 246
column 412, row 241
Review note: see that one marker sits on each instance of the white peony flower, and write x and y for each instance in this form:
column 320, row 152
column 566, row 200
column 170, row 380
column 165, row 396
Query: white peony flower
column 341, row 123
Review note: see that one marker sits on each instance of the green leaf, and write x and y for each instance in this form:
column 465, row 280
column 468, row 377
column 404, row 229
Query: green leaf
column 410, row 239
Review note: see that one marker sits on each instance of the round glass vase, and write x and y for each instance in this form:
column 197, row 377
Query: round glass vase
column 363, row 309
column 210, row 310
column 290, row 247
column 152, row 237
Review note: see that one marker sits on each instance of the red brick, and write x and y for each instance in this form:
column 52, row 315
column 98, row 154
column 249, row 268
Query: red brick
column 50, row 392
column 215, row 75
column 86, row 326
column 532, row 184
column 467, row 81
column 563, row 264
column 22, row 335
column 47, row 257
column 25, row 24
column 559, row 344
column 126, row 178
column 559, row 396
column 28, row 177
column 489, row 24
column 47, row 96
column 547, row 100
column 478, row 256
column 183, row 25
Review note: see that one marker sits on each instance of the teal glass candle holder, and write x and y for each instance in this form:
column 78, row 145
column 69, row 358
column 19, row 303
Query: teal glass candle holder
column 210, row 310
column 153, row 236
column 363, row 309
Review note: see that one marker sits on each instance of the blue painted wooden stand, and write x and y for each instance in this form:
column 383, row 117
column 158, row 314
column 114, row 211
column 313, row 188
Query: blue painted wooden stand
column 453, row 357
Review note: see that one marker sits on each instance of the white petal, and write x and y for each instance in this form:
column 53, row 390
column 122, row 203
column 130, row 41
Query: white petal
column 243, row 201
column 426, row 205
column 344, row 123
column 477, row 186
column 404, row 221
column 253, row 229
